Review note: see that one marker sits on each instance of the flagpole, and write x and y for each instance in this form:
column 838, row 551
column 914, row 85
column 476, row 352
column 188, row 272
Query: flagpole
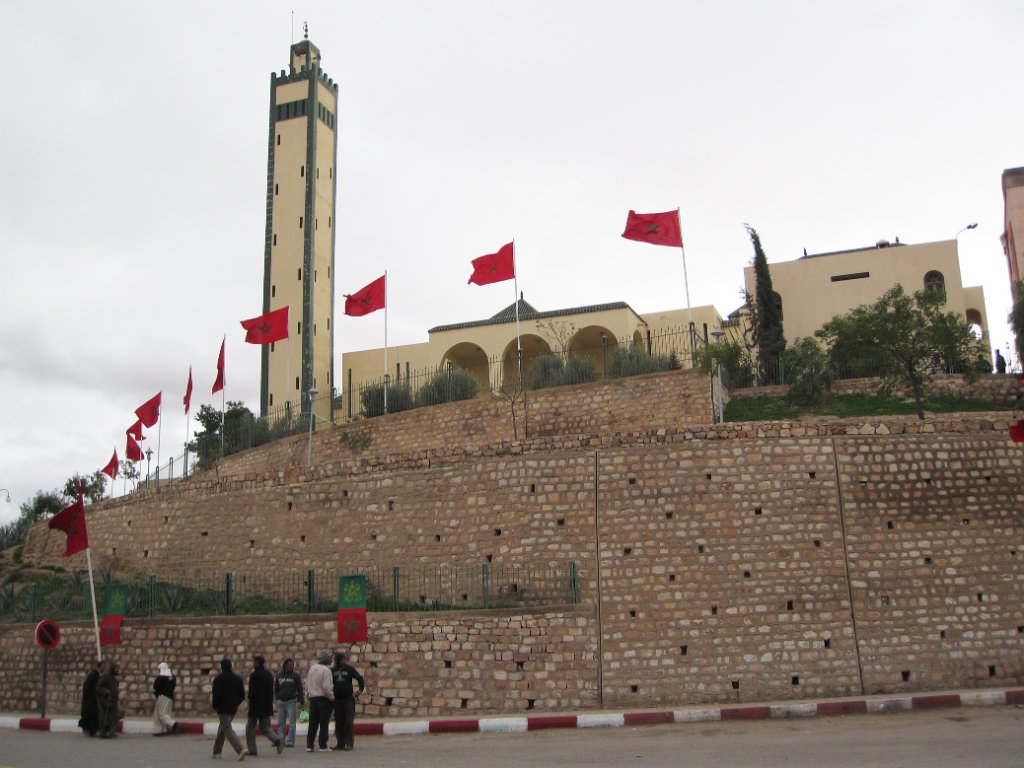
column 92, row 592
column 686, row 281
column 385, row 341
column 159, row 433
column 515, row 301
column 223, row 386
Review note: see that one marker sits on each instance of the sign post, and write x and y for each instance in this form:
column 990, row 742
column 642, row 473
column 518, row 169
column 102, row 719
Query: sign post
column 47, row 638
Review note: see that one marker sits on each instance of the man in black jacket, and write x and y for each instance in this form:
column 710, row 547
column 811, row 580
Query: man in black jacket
column 228, row 694
column 288, row 692
column 261, row 707
column 345, row 701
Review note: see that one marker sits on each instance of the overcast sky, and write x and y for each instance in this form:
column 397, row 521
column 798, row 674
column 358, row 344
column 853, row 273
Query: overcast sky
column 133, row 158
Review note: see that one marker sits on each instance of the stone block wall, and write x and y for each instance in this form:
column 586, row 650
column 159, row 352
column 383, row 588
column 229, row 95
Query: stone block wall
column 487, row 661
column 717, row 563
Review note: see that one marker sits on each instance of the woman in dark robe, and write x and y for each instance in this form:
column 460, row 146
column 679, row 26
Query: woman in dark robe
column 89, row 723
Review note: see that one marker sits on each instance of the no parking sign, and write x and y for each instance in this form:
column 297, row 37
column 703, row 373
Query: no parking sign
column 47, row 634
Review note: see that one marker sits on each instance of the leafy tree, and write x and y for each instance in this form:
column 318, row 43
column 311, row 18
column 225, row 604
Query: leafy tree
column 446, row 386
column 734, row 357
column 908, row 337
column 242, row 430
column 1016, row 319
column 94, row 486
column 765, row 316
column 808, row 373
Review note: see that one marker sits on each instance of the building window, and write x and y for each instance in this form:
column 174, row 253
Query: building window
column 271, row 394
column 273, row 291
column 272, row 346
column 302, row 171
column 296, row 383
column 300, row 222
column 277, row 189
column 299, row 329
column 279, row 139
column 934, row 281
column 318, row 173
column 275, row 239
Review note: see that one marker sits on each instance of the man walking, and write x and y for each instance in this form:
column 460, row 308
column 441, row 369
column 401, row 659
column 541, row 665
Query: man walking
column 261, row 707
column 345, row 701
column 320, row 687
column 228, row 694
column 288, row 691
column 163, row 689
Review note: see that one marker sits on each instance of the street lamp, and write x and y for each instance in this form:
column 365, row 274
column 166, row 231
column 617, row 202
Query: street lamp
column 309, row 451
column 149, row 455
column 8, row 494
column 969, row 226
column 718, row 333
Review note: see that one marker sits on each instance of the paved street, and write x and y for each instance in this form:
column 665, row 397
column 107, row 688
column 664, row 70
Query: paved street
column 965, row 737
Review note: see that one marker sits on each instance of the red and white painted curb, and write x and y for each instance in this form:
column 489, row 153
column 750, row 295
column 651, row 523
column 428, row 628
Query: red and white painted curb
column 874, row 704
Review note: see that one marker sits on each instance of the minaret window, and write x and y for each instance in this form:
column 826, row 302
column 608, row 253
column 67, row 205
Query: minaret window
column 300, row 222
column 279, row 139
column 273, row 291
column 277, row 189
column 302, row 171
column 300, row 274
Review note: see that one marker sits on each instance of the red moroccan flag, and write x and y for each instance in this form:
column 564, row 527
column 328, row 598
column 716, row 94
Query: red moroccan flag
column 368, row 299
column 111, row 469
column 1017, row 431
column 654, row 228
column 267, row 328
column 71, row 520
column 187, row 400
column 132, row 452
column 110, row 629
column 149, row 411
column 494, row 267
column 135, row 430
column 218, row 385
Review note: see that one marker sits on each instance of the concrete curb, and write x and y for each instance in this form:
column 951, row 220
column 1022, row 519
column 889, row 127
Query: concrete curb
column 874, row 704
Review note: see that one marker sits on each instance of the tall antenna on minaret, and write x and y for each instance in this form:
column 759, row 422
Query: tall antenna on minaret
column 292, row 42
column 305, row 31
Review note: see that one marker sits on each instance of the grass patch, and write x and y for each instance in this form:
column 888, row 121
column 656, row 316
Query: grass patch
column 850, row 406
column 760, row 408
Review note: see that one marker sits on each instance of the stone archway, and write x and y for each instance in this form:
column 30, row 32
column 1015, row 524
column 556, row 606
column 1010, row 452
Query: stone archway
column 469, row 357
column 974, row 319
column 533, row 347
column 595, row 342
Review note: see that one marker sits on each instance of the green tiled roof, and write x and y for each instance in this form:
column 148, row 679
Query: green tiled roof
column 527, row 312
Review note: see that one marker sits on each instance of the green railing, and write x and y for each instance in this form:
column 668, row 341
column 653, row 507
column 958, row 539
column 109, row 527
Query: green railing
column 65, row 596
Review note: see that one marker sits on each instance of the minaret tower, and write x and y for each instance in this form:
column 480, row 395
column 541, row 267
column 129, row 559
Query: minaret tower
column 298, row 261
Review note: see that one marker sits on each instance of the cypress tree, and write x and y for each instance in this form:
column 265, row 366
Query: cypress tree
column 766, row 317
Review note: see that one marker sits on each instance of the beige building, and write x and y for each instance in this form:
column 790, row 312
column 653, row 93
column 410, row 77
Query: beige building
column 814, row 289
column 488, row 348
column 298, row 269
column 1013, row 223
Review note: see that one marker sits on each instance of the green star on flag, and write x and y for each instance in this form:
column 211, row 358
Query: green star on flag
column 352, row 609
column 113, row 614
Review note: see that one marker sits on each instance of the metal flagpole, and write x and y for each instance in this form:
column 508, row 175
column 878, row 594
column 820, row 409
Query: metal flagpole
column 223, row 386
column 686, row 282
column 519, row 348
column 92, row 591
column 385, row 341
column 159, row 433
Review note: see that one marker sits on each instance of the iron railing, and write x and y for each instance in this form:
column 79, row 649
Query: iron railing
column 65, row 596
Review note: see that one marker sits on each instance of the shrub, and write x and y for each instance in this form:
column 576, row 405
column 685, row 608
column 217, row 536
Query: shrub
column 808, row 372
column 400, row 398
column 634, row 360
column 447, row 386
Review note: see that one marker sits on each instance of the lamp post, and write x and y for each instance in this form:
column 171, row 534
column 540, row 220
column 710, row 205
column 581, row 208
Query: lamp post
column 718, row 333
column 149, row 455
column 309, row 451
column 969, row 226
column 8, row 494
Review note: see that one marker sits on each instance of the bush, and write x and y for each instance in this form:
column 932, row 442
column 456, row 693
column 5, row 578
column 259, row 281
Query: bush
column 447, row 386
column 737, row 368
column 634, row 360
column 547, row 371
column 808, row 373
column 400, row 398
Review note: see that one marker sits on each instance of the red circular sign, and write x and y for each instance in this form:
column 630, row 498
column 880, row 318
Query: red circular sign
column 47, row 634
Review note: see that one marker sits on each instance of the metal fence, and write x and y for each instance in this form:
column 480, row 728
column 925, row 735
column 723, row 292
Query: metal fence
column 65, row 596
column 507, row 375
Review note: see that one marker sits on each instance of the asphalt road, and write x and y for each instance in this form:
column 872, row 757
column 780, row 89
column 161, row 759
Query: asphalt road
column 965, row 737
